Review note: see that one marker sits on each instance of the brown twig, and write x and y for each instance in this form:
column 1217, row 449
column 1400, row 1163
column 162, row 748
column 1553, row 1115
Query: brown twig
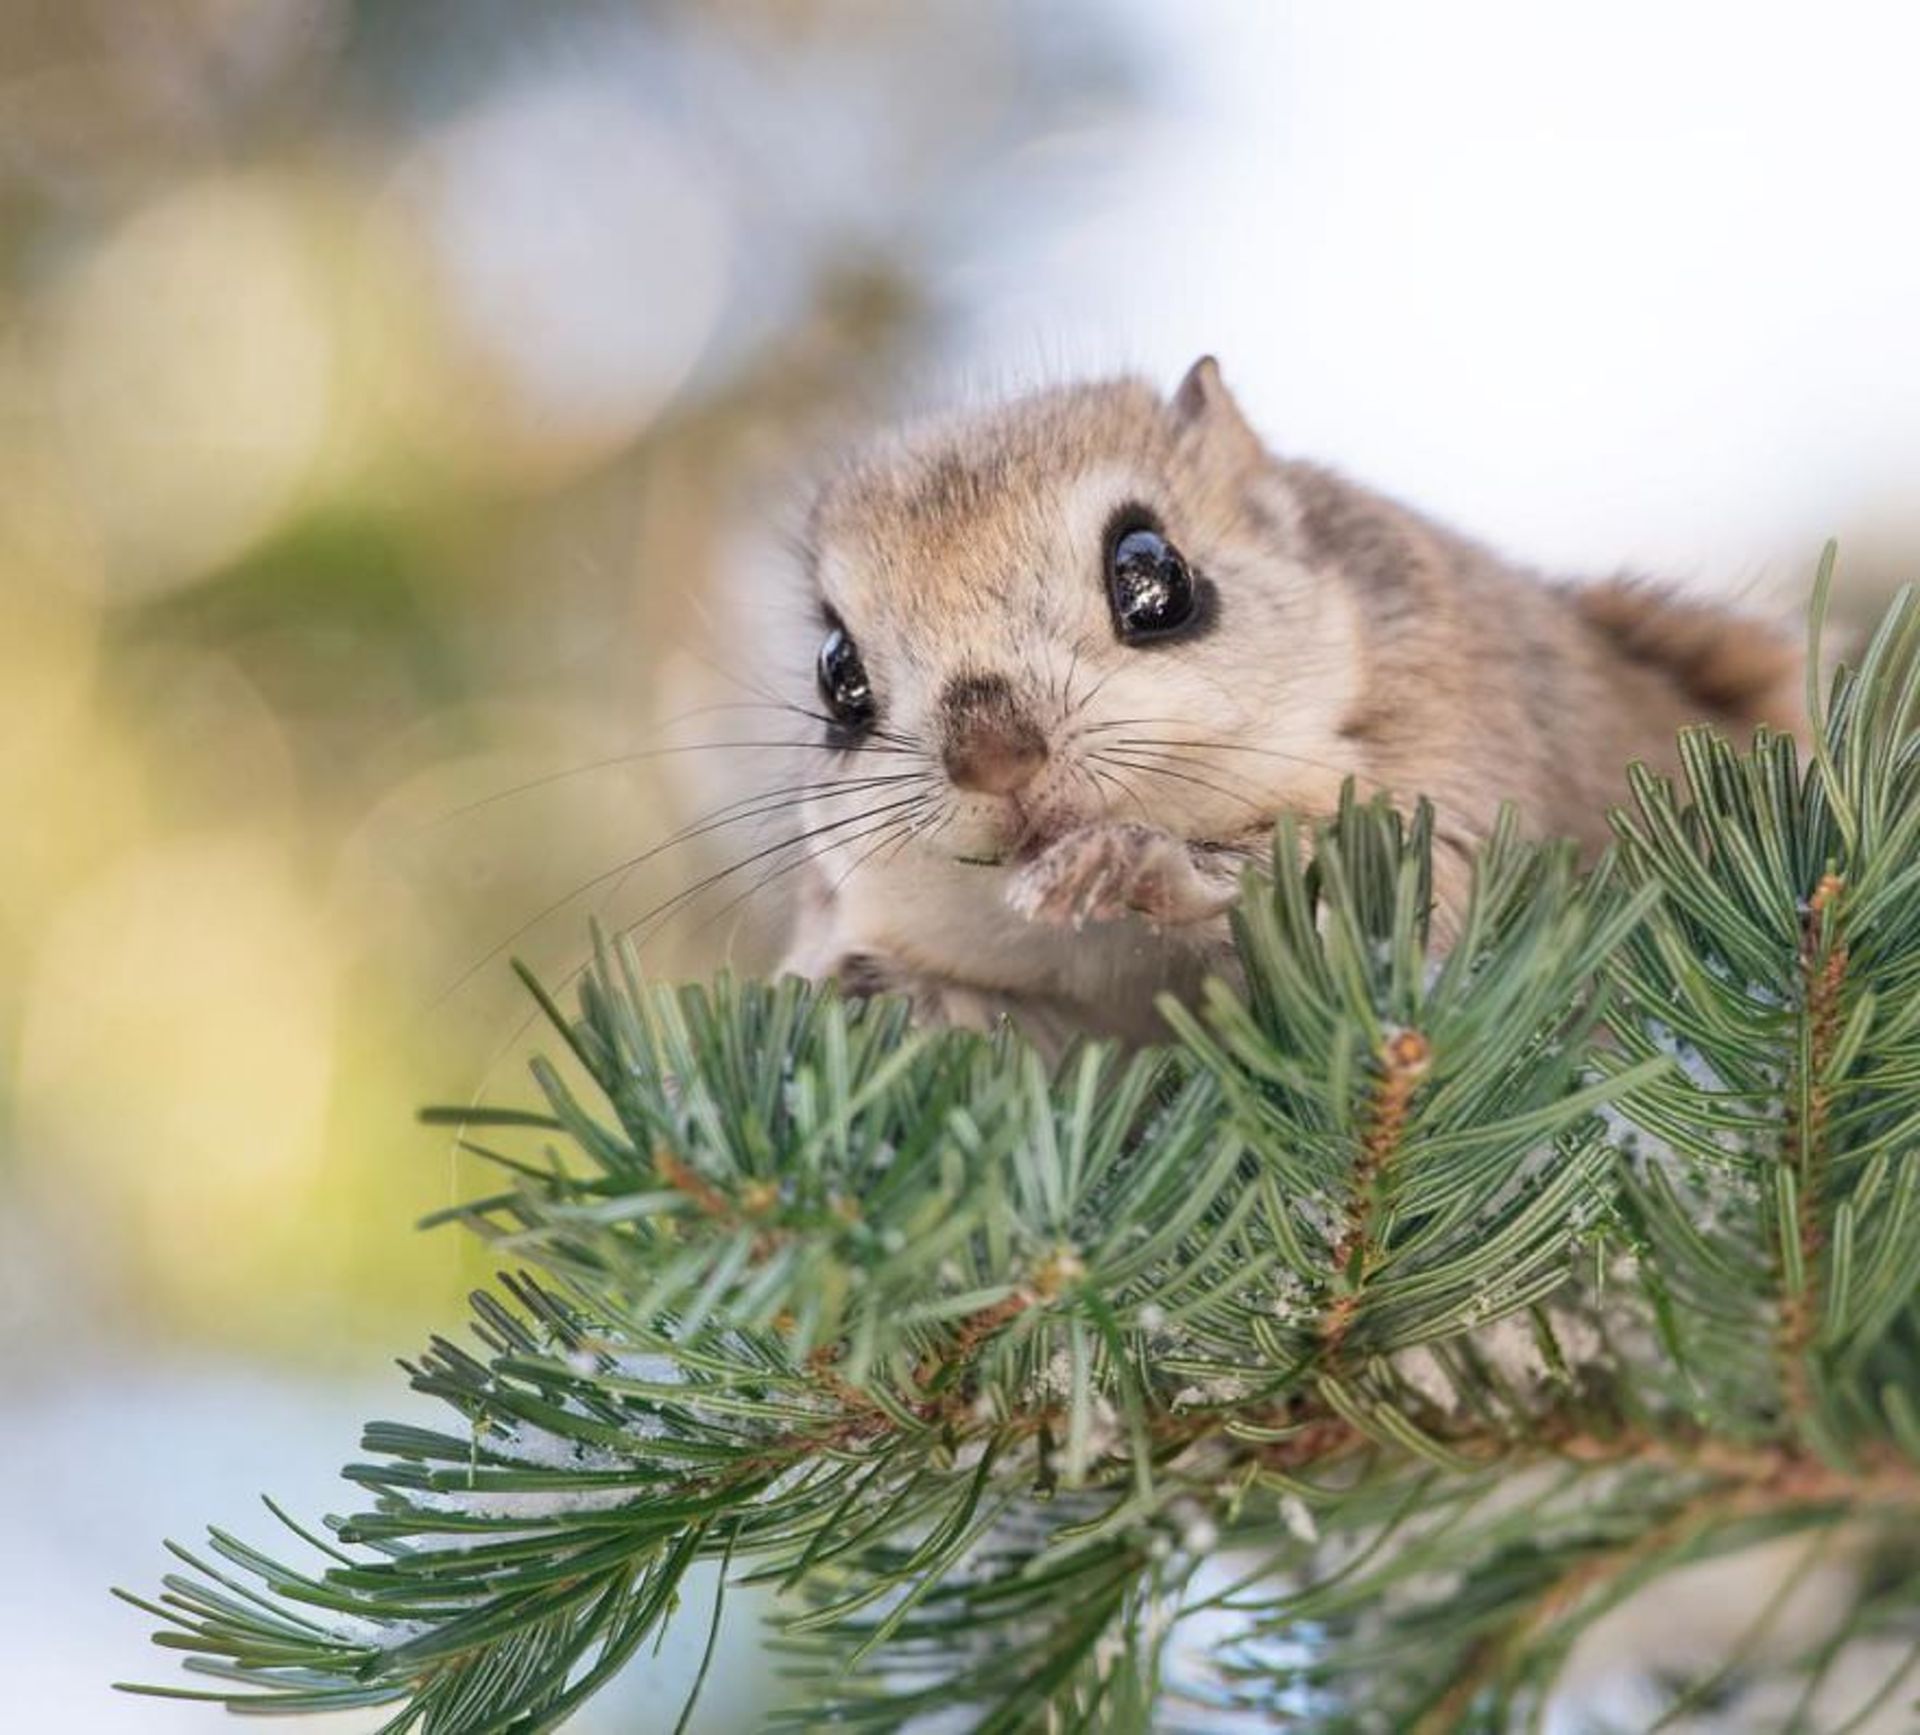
column 1490, row 1656
column 1404, row 1061
column 758, row 1199
column 1742, row 1481
column 971, row 1333
column 1823, row 965
column 683, row 1177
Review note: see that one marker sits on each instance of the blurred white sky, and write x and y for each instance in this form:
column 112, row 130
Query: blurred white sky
column 1605, row 284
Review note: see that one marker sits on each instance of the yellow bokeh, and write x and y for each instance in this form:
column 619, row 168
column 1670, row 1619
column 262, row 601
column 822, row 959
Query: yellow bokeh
column 176, row 1056
column 378, row 396
column 190, row 375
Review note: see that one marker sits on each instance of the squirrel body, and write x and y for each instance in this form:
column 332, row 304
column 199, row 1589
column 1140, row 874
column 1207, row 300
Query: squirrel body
column 1080, row 652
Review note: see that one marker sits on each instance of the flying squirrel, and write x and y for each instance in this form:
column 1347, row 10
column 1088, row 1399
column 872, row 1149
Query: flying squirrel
column 1079, row 652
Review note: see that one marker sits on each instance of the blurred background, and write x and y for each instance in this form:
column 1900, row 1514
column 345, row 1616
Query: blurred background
column 388, row 389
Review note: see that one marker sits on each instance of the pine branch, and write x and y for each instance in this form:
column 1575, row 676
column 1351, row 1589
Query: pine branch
column 1452, row 1299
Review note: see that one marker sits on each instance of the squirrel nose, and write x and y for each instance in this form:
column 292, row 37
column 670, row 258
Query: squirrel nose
column 990, row 762
column 992, row 746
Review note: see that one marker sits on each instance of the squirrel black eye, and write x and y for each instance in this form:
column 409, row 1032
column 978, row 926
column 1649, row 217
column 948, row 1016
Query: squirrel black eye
column 844, row 687
column 1150, row 586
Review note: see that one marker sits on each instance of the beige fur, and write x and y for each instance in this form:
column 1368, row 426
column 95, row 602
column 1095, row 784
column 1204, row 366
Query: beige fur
column 1355, row 638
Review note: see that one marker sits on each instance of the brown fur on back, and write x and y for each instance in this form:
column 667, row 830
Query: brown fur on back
column 1742, row 672
column 1485, row 680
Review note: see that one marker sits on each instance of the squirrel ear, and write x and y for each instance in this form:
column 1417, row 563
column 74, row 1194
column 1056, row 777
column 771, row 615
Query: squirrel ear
column 1202, row 386
column 1202, row 398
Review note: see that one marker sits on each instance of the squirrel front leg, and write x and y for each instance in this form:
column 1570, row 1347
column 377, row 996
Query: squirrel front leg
column 822, row 952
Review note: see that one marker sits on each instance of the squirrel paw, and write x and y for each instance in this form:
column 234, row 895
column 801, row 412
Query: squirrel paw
column 937, row 1005
column 1113, row 869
